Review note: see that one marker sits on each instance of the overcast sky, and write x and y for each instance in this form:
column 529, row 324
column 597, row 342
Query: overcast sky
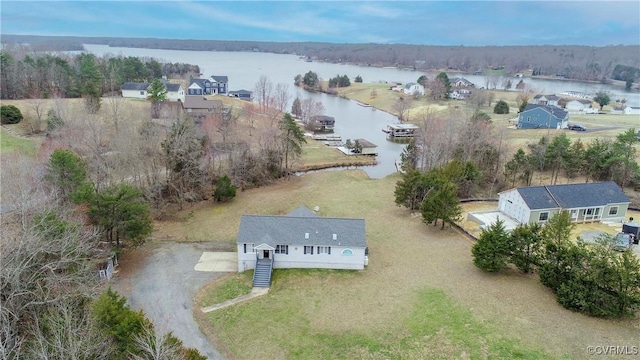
column 469, row 23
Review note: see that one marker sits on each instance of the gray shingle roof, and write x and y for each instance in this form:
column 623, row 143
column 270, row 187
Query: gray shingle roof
column 554, row 110
column 302, row 211
column 292, row 230
column 199, row 82
column 217, row 78
column 170, row 86
column 134, row 86
column 569, row 196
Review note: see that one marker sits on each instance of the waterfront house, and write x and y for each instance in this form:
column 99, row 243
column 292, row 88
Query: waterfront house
column 542, row 117
column 578, row 105
column 413, row 89
column 300, row 239
column 585, row 202
column 551, row 100
column 368, row 148
column 242, row 94
column 136, row 90
column 460, row 82
column 401, row 130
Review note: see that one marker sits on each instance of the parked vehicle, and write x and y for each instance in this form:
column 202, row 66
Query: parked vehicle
column 577, row 127
column 622, row 242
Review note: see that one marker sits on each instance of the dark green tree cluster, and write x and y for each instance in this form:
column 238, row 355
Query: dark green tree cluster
column 444, row 79
column 501, row 107
column 589, row 278
column 600, row 160
column 296, row 108
column 628, row 74
column 434, row 193
column 225, row 190
column 133, row 334
column 10, row 114
column 309, row 80
column 358, row 79
column 339, row 81
column 602, row 98
column 120, row 211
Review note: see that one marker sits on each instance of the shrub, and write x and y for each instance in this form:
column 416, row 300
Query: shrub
column 10, row 114
column 501, row 108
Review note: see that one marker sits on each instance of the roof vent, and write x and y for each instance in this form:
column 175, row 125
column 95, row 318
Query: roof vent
column 335, row 236
column 306, row 236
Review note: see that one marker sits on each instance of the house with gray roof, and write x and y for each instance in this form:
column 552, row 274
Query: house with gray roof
column 212, row 85
column 551, row 100
column 200, row 105
column 585, row 202
column 301, row 239
column 536, row 116
column 136, row 90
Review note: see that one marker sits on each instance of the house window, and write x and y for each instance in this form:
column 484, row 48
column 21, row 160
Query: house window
column 282, row 249
column 544, row 216
column 347, row 252
column 528, row 118
column 590, row 211
column 248, row 248
column 324, row 250
column 613, row 211
column 142, row 93
column 308, row 250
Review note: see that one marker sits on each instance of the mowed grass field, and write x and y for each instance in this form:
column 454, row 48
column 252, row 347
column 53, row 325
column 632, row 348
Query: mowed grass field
column 420, row 297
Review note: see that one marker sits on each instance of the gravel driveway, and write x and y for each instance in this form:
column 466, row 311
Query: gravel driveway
column 160, row 279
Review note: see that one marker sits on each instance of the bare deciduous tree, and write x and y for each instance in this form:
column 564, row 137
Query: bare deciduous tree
column 262, row 92
column 153, row 346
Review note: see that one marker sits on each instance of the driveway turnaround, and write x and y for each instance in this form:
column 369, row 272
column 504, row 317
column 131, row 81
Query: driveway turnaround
column 161, row 280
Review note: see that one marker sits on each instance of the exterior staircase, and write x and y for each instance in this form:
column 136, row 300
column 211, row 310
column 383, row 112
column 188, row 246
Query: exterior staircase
column 262, row 273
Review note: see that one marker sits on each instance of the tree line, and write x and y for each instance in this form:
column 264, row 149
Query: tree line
column 572, row 61
column 599, row 160
column 26, row 74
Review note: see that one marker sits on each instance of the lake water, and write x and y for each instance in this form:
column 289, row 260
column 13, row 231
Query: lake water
column 352, row 121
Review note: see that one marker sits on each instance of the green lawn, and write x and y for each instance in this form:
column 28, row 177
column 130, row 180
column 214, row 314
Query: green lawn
column 13, row 144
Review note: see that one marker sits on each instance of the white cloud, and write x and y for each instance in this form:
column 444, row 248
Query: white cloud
column 374, row 9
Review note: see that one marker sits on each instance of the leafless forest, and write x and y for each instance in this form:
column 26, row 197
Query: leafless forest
column 575, row 62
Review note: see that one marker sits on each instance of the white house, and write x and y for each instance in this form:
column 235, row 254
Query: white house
column 175, row 92
column 134, row 90
column 460, row 82
column 582, row 105
column 632, row 110
column 584, row 202
column 300, row 239
column 413, row 89
column 546, row 100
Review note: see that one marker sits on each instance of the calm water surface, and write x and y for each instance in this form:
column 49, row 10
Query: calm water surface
column 352, row 121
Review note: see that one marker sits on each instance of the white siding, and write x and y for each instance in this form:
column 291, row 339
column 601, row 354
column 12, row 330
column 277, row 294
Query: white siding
column 512, row 204
column 296, row 258
column 135, row 94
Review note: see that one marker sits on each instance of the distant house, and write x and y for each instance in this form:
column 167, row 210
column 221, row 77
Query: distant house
column 632, row 110
column 413, row 89
column 546, row 100
column 300, row 239
column 585, row 202
column 210, row 86
column 175, row 92
column 460, row 82
column 242, row 94
column 198, row 87
column 542, row 117
column 582, row 105
column 219, row 84
column 200, row 105
column 134, row 90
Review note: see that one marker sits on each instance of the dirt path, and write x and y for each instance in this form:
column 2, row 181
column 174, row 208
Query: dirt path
column 160, row 279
